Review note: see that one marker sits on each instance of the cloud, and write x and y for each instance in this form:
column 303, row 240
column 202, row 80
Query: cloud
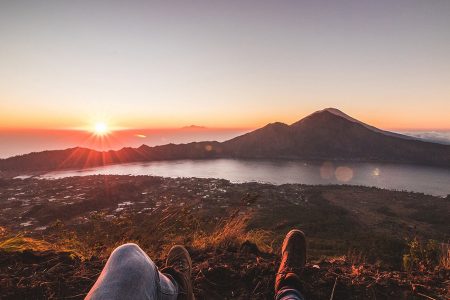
column 442, row 137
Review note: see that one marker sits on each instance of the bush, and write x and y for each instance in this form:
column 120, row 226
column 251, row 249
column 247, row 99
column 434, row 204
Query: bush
column 422, row 255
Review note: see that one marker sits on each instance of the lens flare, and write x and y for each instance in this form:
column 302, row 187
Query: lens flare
column 327, row 170
column 344, row 174
column 376, row 172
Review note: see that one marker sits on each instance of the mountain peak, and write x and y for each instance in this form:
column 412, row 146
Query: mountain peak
column 325, row 113
column 333, row 110
column 275, row 125
column 336, row 112
column 340, row 114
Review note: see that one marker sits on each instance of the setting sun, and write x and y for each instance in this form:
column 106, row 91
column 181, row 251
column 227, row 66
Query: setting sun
column 100, row 128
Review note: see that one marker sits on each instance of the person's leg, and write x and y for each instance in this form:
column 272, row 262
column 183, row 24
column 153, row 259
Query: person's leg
column 289, row 294
column 130, row 274
column 179, row 266
column 293, row 260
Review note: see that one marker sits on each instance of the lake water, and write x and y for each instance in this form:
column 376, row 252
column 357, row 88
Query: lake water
column 428, row 180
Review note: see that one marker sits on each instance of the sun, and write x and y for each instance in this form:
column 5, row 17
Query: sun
column 100, row 128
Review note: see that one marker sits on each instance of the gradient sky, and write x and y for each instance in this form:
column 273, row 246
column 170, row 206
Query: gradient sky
column 143, row 64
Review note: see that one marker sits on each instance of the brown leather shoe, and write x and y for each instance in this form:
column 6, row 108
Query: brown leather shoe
column 179, row 266
column 293, row 260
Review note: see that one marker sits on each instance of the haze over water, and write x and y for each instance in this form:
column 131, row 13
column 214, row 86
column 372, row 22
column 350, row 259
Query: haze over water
column 23, row 142
column 20, row 142
column 423, row 179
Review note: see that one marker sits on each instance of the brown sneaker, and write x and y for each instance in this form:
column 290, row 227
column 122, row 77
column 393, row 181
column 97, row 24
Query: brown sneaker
column 179, row 266
column 293, row 259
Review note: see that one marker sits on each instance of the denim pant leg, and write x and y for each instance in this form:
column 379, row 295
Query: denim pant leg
column 289, row 294
column 130, row 274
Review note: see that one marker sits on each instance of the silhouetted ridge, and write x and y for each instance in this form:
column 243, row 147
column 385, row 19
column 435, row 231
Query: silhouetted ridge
column 328, row 134
column 331, row 135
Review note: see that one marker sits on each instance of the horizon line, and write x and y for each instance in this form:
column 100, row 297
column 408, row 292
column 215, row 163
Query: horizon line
column 198, row 128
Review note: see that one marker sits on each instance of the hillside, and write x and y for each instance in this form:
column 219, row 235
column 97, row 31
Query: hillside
column 324, row 135
column 55, row 235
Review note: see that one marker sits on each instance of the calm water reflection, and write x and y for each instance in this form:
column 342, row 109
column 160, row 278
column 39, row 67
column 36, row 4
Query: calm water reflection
column 429, row 180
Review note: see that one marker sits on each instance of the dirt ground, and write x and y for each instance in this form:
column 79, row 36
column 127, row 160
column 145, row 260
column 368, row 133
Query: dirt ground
column 219, row 274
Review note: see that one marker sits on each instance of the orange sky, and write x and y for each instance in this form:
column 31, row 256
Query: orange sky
column 157, row 64
column 390, row 120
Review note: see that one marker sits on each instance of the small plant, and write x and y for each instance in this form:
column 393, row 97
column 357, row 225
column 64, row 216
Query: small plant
column 423, row 255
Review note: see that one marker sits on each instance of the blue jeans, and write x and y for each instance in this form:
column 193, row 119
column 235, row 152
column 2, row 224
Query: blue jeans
column 130, row 274
column 289, row 294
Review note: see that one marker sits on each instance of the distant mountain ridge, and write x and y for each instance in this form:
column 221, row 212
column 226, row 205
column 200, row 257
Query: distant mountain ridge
column 328, row 134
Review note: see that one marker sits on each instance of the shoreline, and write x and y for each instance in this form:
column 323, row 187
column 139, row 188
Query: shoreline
column 395, row 177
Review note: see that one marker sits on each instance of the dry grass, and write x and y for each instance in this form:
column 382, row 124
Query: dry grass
column 444, row 260
column 232, row 233
column 20, row 244
column 355, row 257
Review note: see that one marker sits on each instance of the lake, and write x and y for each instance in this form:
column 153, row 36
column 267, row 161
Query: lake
column 428, row 180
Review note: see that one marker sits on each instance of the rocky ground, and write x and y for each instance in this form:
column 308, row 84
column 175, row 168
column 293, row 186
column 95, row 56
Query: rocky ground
column 55, row 235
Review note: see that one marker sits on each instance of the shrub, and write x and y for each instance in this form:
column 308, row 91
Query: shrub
column 424, row 255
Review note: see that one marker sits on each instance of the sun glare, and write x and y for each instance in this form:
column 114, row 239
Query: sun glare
column 100, row 128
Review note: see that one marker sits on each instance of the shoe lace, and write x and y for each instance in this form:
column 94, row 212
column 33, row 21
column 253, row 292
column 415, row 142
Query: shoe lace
column 181, row 266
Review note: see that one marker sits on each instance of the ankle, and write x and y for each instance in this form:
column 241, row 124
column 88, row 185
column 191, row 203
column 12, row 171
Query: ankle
column 288, row 281
column 182, row 281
